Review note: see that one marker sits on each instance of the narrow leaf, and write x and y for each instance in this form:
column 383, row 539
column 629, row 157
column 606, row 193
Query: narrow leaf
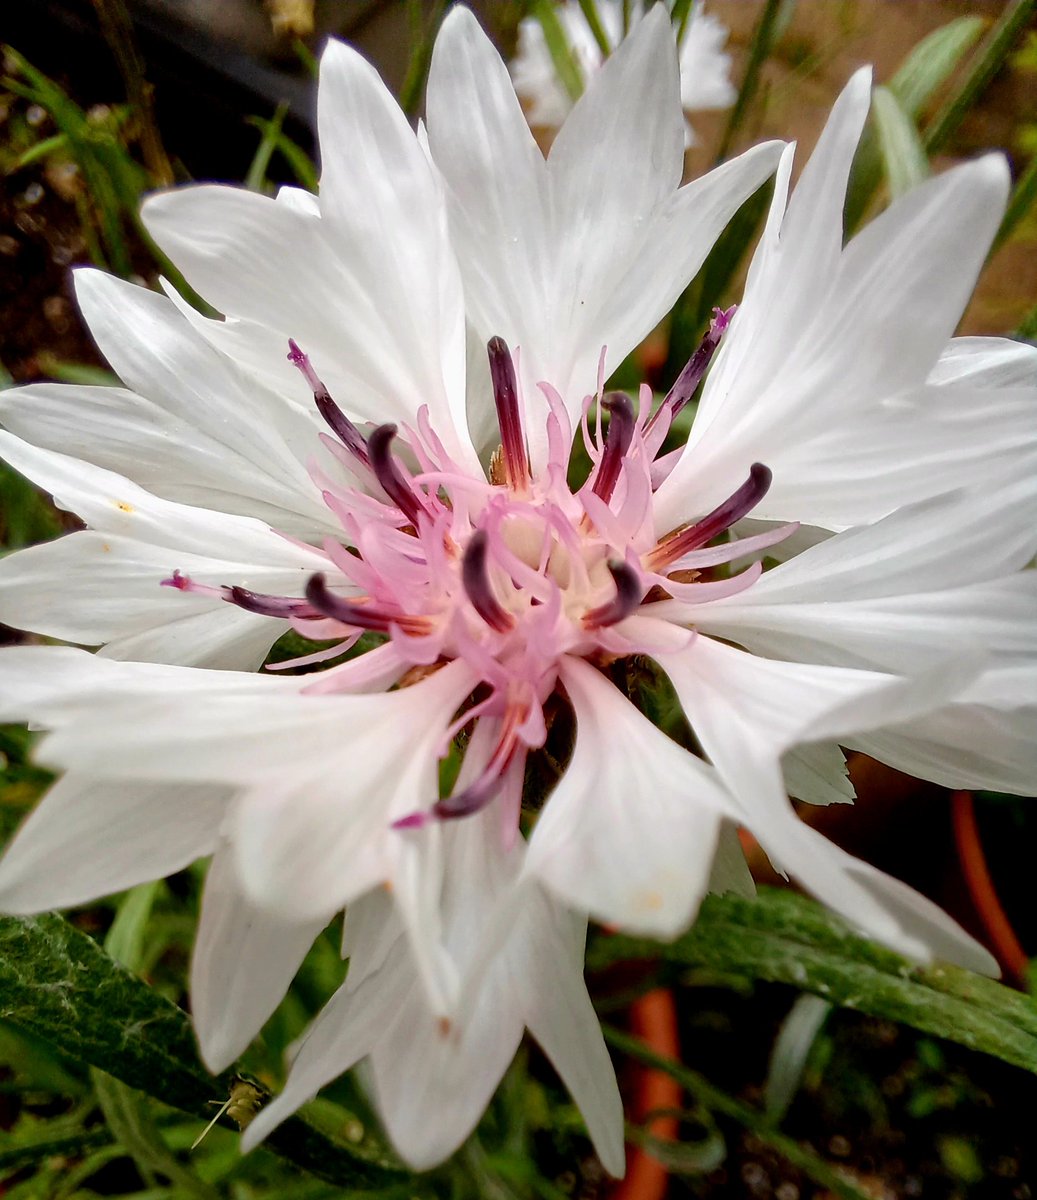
column 783, row 938
column 762, row 42
column 903, row 157
column 925, row 69
column 932, row 62
column 989, row 59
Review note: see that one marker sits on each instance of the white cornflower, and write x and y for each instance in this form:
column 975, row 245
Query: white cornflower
column 335, row 457
column 705, row 70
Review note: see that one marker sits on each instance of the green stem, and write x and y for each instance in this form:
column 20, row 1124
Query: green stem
column 565, row 64
column 763, row 36
column 718, row 1101
column 590, row 13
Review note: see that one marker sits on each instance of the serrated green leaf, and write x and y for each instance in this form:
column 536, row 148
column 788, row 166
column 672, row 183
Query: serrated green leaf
column 60, row 985
column 783, row 938
column 903, row 157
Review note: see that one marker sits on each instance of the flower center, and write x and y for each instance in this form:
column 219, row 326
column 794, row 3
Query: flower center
column 510, row 572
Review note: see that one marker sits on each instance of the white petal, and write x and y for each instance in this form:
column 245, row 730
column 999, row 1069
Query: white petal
column 93, row 589
column 561, row 261
column 991, row 361
column 747, row 710
column 369, row 289
column 113, row 504
column 562, row 1019
column 91, row 837
column 243, row 961
column 820, row 376
column 55, row 685
column 628, row 836
column 345, row 1031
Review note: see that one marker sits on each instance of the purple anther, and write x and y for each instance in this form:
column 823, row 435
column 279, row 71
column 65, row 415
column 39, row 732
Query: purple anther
column 617, row 443
column 388, row 474
column 269, row 606
column 360, row 616
column 691, row 376
column 340, row 424
column 477, row 585
column 509, row 415
column 733, row 509
column 629, row 594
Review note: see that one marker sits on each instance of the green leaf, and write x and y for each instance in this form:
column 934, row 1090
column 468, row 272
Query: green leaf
column 932, row 62
column 783, row 938
column 903, row 157
column 925, row 69
column 590, row 14
column 255, row 179
column 989, row 59
column 59, row 984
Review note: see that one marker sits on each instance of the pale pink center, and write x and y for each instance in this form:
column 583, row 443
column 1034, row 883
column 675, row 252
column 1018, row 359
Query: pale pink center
column 513, row 572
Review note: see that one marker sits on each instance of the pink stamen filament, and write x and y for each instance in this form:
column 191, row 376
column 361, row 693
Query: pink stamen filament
column 617, row 443
column 342, row 426
column 690, row 377
column 387, row 471
column 736, row 506
column 361, row 616
column 477, row 586
column 629, row 593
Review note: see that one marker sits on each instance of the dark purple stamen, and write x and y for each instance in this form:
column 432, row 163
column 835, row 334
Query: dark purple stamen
column 361, row 616
column 268, row 606
column 721, row 518
column 509, row 417
column 617, row 443
column 478, row 588
column 340, row 424
column 389, row 475
column 480, row 791
column 689, row 379
column 629, row 594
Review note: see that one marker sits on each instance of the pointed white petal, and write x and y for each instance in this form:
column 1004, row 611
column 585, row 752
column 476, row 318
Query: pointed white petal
column 628, row 837
column 345, row 1031
column 369, row 288
column 243, row 961
column 562, row 1019
column 91, row 837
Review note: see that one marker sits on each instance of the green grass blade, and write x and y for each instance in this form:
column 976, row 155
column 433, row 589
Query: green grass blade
column 759, row 49
column 590, row 13
column 565, row 64
column 255, row 178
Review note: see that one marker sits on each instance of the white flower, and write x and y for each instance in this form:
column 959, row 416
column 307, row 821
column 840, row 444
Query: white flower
column 249, row 482
column 705, row 70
